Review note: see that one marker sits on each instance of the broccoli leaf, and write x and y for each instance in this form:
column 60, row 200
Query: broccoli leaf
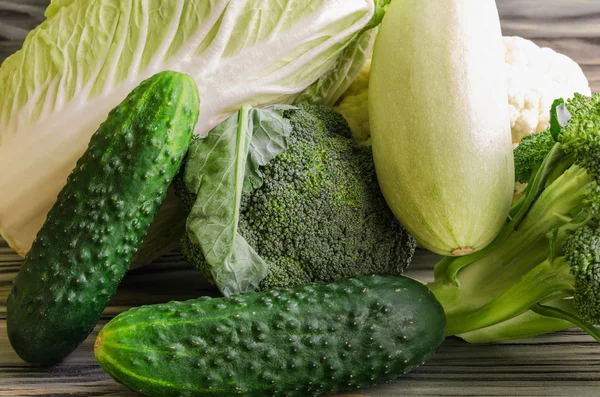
column 270, row 131
column 220, row 168
column 559, row 117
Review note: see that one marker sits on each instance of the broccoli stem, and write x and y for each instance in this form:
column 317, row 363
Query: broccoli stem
column 557, row 313
column 554, row 207
column 550, row 279
column 542, row 272
column 526, row 325
column 489, row 287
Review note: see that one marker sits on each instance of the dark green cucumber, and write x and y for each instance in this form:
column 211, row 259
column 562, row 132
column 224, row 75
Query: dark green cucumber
column 306, row 341
column 100, row 217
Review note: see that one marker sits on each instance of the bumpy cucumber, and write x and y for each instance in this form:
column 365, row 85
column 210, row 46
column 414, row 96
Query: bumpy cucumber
column 100, row 217
column 305, row 341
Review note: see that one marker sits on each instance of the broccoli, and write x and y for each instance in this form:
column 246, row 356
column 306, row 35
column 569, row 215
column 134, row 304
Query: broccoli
column 319, row 214
column 542, row 272
column 532, row 150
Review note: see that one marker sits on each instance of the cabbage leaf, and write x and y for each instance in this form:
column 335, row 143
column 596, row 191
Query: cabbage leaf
column 88, row 54
column 332, row 85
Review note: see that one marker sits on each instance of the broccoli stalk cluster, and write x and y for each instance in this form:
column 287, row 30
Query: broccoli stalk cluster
column 319, row 214
column 542, row 273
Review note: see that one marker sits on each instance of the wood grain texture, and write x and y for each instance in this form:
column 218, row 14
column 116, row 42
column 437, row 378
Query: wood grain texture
column 17, row 18
column 571, row 27
column 562, row 364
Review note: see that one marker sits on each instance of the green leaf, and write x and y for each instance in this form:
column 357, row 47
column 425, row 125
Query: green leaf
column 380, row 10
column 270, row 131
column 221, row 168
column 527, row 325
column 559, row 117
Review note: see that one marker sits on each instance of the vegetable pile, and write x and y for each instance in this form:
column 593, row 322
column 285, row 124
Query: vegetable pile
column 535, row 78
column 223, row 139
column 88, row 55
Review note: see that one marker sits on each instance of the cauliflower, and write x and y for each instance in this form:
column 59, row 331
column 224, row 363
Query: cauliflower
column 536, row 77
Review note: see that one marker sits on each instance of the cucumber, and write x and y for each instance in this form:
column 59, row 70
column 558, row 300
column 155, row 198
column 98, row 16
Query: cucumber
column 99, row 219
column 306, row 341
column 438, row 105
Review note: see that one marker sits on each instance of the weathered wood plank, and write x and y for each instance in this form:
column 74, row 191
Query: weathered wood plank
column 537, row 19
column 17, row 18
column 169, row 278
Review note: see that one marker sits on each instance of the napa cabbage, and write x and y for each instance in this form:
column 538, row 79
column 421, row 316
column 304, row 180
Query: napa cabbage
column 88, row 54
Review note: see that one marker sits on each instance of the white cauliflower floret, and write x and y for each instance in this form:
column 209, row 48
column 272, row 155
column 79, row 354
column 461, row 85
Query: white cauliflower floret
column 536, row 77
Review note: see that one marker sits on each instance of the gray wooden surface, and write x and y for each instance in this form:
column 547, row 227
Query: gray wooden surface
column 563, row 364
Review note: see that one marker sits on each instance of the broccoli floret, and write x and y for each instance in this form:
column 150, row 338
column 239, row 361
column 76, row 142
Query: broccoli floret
column 530, row 153
column 542, row 273
column 582, row 253
column 333, row 121
column 319, row 214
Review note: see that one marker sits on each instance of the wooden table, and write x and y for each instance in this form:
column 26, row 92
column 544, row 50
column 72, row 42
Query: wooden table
column 563, row 364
